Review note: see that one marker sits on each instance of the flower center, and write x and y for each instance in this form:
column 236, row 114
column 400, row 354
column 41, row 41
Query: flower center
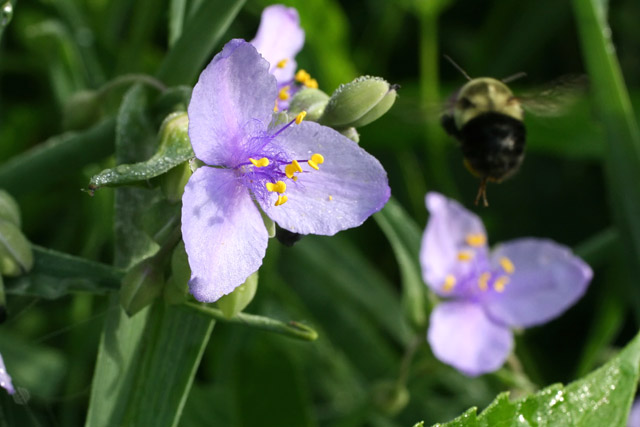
column 269, row 171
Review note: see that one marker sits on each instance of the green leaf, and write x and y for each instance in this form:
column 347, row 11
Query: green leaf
column 16, row 256
column 56, row 274
column 41, row 167
column 174, row 148
column 602, row 398
column 623, row 136
column 143, row 283
column 177, row 287
column 199, row 38
column 9, row 210
column 404, row 236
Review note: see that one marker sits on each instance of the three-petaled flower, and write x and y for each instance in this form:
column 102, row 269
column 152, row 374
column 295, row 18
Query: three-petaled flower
column 518, row 284
column 306, row 177
column 5, row 379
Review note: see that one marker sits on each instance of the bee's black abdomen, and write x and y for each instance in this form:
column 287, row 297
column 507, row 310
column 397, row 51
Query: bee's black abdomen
column 493, row 145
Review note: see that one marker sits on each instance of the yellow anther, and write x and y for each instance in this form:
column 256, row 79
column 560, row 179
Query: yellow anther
column 465, row 256
column 500, row 283
column 449, row 283
column 289, row 170
column 476, row 239
column 483, row 281
column 282, row 63
column 296, row 165
column 259, row 163
column 295, row 178
column 302, row 76
column 283, row 95
column 278, row 187
column 330, row 197
column 316, row 159
column 301, row 115
column 507, row 265
column 275, row 107
column 281, row 200
column 311, row 83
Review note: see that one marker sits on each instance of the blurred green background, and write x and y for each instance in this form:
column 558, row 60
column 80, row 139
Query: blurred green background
column 54, row 49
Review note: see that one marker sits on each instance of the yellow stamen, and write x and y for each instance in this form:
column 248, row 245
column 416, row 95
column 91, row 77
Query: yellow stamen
column 500, row 283
column 311, row 83
column 316, row 159
column 259, row 163
column 278, row 187
column 507, row 265
column 289, row 170
column 300, row 117
column 302, row 76
column 449, row 283
column 281, row 200
column 295, row 178
column 296, row 165
column 483, row 281
column 275, row 107
column 283, row 95
column 476, row 239
column 465, row 256
column 282, row 63
column 330, row 197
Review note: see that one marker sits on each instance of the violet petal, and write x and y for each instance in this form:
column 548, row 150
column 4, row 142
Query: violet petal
column 547, row 279
column 461, row 335
column 234, row 95
column 280, row 37
column 449, row 228
column 349, row 186
column 5, row 379
column 223, row 233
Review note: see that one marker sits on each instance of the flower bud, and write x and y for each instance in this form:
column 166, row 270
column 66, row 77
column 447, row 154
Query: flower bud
column 313, row 101
column 16, row 255
column 239, row 299
column 9, row 210
column 358, row 103
column 390, row 397
column 351, row 133
column 82, row 110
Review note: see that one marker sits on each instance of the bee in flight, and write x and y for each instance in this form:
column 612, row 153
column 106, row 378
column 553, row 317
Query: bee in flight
column 487, row 119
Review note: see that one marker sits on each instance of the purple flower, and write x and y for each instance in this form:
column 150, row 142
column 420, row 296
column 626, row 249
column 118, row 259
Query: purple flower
column 521, row 283
column 306, row 177
column 279, row 39
column 5, row 379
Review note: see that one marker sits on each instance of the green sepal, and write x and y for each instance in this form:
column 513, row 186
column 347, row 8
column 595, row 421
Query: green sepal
column 142, row 284
column 174, row 148
column 390, row 397
column 9, row 210
column 313, row 101
column 358, row 103
column 351, row 133
column 16, row 255
column 175, row 292
column 239, row 299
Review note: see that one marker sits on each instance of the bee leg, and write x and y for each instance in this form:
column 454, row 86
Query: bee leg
column 482, row 192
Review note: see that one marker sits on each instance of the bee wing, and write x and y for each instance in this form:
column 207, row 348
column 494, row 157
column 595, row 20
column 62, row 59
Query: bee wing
column 556, row 97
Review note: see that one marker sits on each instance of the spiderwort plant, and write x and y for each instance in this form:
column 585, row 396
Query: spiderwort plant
column 306, row 177
column 518, row 284
column 278, row 40
column 5, row 379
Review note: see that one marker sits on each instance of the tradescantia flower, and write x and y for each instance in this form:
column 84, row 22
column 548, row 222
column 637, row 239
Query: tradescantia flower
column 5, row 379
column 306, row 177
column 518, row 284
column 634, row 415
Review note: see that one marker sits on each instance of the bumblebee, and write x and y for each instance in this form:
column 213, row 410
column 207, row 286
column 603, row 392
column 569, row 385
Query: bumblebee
column 487, row 119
